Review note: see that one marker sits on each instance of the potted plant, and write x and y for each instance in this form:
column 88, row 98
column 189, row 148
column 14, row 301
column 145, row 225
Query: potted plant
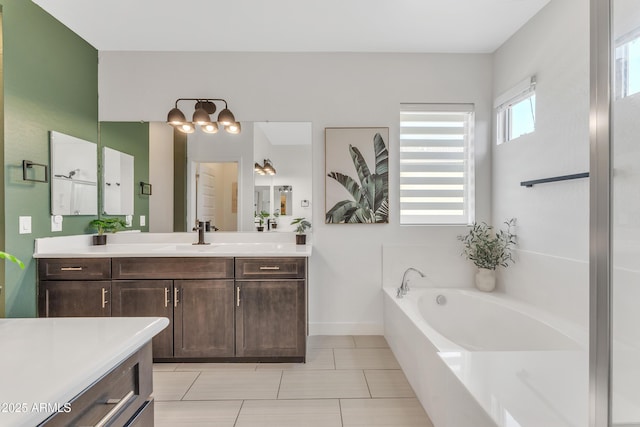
column 488, row 251
column 106, row 225
column 276, row 215
column 261, row 217
column 301, row 226
column 4, row 255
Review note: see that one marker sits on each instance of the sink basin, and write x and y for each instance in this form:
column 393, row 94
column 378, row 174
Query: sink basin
column 186, row 247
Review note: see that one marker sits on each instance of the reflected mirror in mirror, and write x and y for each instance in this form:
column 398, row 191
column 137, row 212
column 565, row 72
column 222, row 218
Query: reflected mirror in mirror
column 282, row 195
column 74, row 175
column 117, row 185
column 286, row 144
column 262, row 199
column 216, row 194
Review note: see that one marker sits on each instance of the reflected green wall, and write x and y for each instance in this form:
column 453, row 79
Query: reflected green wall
column 50, row 83
column 131, row 138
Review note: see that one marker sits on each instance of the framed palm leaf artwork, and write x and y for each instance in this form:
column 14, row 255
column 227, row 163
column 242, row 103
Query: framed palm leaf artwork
column 357, row 175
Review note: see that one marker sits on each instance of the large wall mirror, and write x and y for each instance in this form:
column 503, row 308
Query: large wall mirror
column 224, row 188
column 74, row 175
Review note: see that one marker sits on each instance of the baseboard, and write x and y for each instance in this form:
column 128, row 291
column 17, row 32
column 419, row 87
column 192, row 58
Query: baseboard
column 346, row 329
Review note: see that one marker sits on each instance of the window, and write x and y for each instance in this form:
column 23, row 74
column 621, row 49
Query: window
column 516, row 111
column 436, row 164
column 627, row 66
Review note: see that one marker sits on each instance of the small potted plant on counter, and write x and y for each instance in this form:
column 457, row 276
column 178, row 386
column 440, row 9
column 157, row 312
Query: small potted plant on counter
column 261, row 217
column 106, row 225
column 276, row 215
column 301, row 226
column 488, row 251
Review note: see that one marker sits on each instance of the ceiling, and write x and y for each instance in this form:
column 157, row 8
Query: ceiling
column 457, row 26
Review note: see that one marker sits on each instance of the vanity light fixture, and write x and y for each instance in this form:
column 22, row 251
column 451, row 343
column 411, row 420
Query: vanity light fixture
column 203, row 109
column 266, row 168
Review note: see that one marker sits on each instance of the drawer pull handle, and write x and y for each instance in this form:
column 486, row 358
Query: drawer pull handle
column 104, row 297
column 175, row 297
column 166, row 297
column 238, row 296
column 266, row 267
column 70, row 268
column 120, row 403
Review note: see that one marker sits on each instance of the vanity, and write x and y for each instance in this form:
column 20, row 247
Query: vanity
column 242, row 297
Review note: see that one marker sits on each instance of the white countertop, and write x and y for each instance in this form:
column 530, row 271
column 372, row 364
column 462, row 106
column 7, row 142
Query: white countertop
column 53, row 360
column 173, row 245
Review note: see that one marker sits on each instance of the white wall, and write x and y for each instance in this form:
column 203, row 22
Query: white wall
column 553, row 219
column 327, row 90
column 161, row 178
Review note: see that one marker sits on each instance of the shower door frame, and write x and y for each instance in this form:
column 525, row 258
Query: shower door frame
column 600, row 215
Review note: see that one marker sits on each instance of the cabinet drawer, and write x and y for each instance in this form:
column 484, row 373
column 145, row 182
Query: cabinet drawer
column 172, row 268
column 270, row 268
column 114, row 399
column 74, row 268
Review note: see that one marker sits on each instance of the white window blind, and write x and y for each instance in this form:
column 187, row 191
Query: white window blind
column 436, row 164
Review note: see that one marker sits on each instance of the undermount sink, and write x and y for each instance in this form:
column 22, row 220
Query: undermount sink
column 186, row 247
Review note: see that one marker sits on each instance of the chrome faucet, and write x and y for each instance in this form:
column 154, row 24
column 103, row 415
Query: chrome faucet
column 200, row 228
column 404, row 286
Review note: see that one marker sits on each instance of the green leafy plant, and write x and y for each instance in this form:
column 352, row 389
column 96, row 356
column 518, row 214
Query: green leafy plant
column 371, row 196
column 301, row 225
column 9, row 257
column 107, row 225
column 488, row 249
column 262, row 216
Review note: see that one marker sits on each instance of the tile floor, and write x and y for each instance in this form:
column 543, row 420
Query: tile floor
column 347, row 381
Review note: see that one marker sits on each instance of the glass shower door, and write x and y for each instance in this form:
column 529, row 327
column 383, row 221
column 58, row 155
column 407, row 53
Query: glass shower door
column 625, row 214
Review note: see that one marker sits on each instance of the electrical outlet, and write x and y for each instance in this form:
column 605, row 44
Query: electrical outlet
column 143, row 220
column 56, row 223
column 129, row 220
column 25, row 225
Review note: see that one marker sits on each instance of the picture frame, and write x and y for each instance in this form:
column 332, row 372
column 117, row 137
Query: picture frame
column 357, row 175
column 145, row 188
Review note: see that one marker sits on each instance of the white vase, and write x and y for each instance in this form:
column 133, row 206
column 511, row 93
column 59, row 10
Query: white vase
column 486, row 279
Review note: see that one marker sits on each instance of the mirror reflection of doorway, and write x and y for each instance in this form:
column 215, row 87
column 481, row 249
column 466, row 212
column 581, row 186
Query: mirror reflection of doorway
column 216, row 195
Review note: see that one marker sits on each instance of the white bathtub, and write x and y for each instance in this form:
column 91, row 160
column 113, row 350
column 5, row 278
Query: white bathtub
column 477, row 359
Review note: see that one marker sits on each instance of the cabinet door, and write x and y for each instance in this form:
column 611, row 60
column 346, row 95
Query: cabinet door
column 141, row 298
column 203, row 318
column 75, row 298
column 270, row 318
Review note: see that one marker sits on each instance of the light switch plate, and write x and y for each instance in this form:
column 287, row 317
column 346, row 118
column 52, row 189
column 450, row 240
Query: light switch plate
column 143, row 220
column 25, row 225
column 129, row 220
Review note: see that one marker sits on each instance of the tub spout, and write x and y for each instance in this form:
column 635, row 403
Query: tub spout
column 404, row 286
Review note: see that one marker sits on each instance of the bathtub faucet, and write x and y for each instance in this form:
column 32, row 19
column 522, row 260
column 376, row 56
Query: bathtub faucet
column 404, row 286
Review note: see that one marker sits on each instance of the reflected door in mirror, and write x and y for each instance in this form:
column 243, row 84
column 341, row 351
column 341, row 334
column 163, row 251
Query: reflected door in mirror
column 117, row 185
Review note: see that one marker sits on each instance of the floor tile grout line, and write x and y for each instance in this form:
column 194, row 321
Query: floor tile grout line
column 340, row 407
column 279, row 385
column 367, row 383
column 191, row 385
column 238, row 415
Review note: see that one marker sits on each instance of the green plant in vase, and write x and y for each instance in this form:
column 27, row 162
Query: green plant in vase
column 106, row 225
column 9, row 257
column 261, row 217
column 488, row 251
column 301, row 226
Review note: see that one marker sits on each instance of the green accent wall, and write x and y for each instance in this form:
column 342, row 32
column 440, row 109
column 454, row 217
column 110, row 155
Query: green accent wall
column 50, row 83
column 130, row 138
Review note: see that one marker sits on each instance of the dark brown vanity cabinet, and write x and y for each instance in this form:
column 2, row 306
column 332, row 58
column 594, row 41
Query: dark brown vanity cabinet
column 195, row 294
column 271, row 307
column 146, row 298
column 71, row 287
column 218, row 307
